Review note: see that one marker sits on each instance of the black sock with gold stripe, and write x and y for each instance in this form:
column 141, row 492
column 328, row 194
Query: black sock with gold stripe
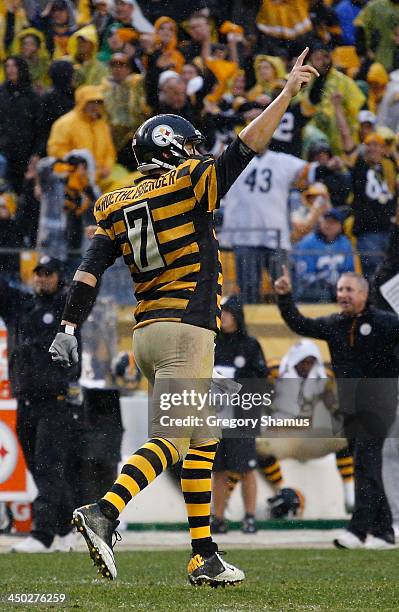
column 345, row 465
column 271, row 470
column 140, row 469
column 196, row 486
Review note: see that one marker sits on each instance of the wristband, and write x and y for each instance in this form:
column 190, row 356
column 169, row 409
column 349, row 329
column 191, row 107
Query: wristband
column 67, row 329
column 80, row 301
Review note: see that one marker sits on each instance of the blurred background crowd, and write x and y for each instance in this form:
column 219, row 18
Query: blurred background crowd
column 78, row 77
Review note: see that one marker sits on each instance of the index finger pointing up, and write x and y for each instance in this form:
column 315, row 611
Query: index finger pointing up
column 301, row 58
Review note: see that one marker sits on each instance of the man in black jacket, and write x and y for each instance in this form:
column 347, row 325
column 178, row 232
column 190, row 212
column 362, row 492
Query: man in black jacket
column 362, row 342
column 43, row 419
column 389, row 268
column 238, row 356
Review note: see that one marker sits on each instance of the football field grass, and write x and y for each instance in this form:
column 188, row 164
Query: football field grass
column 278, row 580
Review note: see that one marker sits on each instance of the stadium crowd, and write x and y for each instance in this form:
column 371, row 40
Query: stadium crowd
column 78, row 77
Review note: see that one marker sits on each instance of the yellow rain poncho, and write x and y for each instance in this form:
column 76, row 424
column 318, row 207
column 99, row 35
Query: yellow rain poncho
column 323, row 113
column 75, row 130
column 262, row 86
column 92, row 71
column 39, row 67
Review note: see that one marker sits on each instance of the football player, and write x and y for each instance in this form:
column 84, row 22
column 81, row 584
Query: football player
column 163, row 228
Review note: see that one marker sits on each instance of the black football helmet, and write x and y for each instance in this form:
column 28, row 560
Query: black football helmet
column 160, row 142
column 286, row 504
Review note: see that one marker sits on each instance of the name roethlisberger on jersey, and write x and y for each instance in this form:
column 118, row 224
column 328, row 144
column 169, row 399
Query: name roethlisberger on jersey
column 123, row 195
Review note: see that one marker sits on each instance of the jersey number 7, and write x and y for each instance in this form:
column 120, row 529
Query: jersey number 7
column 141, row 235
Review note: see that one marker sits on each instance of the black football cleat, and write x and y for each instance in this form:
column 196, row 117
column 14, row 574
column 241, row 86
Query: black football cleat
column 98, row 530
column 248, row 524
column 213, row 571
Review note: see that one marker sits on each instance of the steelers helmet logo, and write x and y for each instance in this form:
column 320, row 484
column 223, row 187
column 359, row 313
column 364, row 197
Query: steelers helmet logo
column 8, row 452
column 162, row 135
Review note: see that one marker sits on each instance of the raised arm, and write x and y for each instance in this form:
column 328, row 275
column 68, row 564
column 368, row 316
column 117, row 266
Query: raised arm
column 304, row 326
column 259, row 132
column 302, row 227
column 348, row 143
column 256, row 136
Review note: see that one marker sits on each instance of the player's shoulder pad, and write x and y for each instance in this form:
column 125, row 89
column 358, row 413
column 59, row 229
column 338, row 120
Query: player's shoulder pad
column 203, row 158
column 196, row 164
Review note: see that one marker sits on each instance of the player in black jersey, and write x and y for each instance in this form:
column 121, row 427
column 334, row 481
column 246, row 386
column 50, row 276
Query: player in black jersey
column 163, row 227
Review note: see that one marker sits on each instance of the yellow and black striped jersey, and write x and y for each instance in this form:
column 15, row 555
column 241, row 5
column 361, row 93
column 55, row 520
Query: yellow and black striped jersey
column 163, row 227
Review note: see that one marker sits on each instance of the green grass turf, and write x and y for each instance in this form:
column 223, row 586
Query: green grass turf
column 278, row 580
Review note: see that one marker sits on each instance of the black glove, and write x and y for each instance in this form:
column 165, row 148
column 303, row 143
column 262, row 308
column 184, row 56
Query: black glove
column 64, row 350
